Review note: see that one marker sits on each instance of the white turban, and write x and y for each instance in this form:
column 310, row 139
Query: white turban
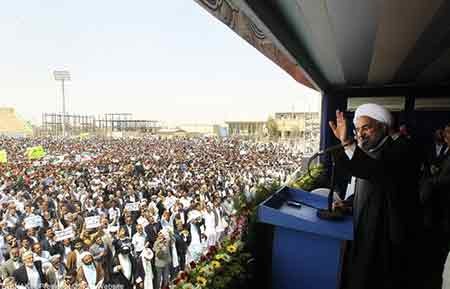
column 374, row 111
column 84, row 254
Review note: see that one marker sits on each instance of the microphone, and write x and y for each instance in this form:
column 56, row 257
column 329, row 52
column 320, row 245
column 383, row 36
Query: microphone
column 333, row 148
column 329, row 213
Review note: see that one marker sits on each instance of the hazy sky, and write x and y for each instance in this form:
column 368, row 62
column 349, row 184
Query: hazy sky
column 166, row 60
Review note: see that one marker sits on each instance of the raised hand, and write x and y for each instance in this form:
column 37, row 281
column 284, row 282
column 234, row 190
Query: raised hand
column 340, row 127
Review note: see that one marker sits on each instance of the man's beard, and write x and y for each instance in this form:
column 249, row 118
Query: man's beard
column 367, row 144
column 90, row 265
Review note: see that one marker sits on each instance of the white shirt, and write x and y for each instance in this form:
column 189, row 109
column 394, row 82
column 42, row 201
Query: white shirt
column 139, row 241
column 33, row 277
column 438, row 149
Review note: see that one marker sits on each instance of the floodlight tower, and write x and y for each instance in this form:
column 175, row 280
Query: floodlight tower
column 62, row 75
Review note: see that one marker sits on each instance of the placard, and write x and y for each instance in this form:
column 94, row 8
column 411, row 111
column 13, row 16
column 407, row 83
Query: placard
column 33, row 222
column 67, row 233
column 92, row 222
column 132, row 206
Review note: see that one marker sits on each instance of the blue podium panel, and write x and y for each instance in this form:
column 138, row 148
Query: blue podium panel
column 307, row 252
column 305, row 261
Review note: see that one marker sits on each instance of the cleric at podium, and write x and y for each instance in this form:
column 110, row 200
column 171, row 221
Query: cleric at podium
column 385, row 205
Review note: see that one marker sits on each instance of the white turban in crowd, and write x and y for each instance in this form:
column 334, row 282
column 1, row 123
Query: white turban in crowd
column 84, row 254
column 374, row 111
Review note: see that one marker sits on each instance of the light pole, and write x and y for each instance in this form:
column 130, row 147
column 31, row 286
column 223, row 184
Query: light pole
column 62, row 75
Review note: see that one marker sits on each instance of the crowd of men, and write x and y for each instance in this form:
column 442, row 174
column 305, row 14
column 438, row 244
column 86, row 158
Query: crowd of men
column 125, row 212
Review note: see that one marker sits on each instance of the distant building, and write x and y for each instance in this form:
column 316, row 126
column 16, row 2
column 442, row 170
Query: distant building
column 12, row 124
column 246, row 128
column 297, row 124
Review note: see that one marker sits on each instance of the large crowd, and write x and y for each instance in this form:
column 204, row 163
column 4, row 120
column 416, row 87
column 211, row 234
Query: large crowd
column 130, row 213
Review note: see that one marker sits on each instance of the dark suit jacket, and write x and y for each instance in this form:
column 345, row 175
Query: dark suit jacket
column 21, row 277
column 437, row 199
column 53, row 250
column 152, row 231
column 133, row 230
column 436, row 158
column 182, row 243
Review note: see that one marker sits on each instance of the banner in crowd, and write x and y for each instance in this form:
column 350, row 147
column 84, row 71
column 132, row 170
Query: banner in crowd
column 3, row 157
column 33, row 222
column 61, row 235
column 35, row 153
column 92, row 222
column 132, row 206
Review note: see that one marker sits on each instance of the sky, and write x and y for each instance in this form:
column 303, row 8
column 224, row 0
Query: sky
column 162, row 60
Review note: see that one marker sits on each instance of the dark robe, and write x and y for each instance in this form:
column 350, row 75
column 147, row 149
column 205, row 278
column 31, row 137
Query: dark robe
column 386, row 215
column 152, row 231
column 118, row 278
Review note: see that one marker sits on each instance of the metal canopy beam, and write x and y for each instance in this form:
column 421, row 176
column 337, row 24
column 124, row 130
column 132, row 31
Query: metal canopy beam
column 399, row 90
column 269, row 13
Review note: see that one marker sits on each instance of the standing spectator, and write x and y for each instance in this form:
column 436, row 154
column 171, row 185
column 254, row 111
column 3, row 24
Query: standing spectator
column 40, row 255
column 123, row 265
column 49, row 244
column 161, row 248
column 74, row 257
column 144, row 269
column 182, row 241
column 139, row 240
column 56, row 272
column 30, row 273
column 437, row 199
column 12, row 264
column 89, row 272
column 99, row 251
column 129, row 226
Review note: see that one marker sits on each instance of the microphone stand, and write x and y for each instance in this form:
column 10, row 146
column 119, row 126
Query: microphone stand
column 329, row 213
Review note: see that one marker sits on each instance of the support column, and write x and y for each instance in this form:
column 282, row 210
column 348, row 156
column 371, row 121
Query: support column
column 330, row 104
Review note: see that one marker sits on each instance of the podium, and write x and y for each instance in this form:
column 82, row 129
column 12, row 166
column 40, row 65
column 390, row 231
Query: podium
column 307, row 252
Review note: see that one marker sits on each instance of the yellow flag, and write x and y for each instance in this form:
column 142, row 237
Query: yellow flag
column 35, row 153
column 84, row 135
column 3, row 157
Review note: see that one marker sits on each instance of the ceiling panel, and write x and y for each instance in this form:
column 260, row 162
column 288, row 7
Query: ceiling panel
column 355, row 24
column 431, row 45
column 396, row 36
